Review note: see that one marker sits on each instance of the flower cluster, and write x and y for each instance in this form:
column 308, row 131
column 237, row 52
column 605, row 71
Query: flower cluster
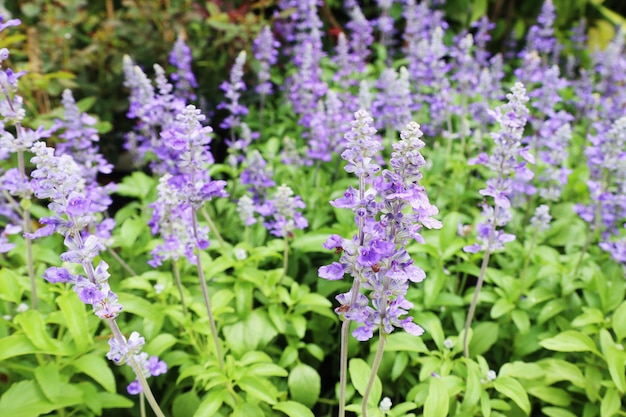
column 232, row 91
column 504, row 162
column 181, row 195
column 265, row 51
column 130, row 350
column 390, row 210
column 59, row 179
column 184, row 79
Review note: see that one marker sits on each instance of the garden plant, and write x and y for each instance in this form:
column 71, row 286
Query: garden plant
column 377, row 210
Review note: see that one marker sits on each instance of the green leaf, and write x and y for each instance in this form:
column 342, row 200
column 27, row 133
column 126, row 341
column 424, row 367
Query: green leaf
column 259, row 388
column 501, row 307
column 570, row 341
column 359, row 375
column 247, row 410
column 610, row 404
column 551, row 395
column 186, row 404
column 616, row 360
column 34, row 328
column 136, row 185
column 523, row 370
column 560, row 370
column 111, row 400
column 210, row 405
column 619, row 321
column 473, row 387
column 400, row 363
column 26, row 399
column 438, row 401
column 73, row 311
column 402, row 341
column 304, row 384
column 266, row 369
column 512, row 389
column 557, row 412
column 10, row 288
column 521, row 320
column 16, row 345
column 97, row 368
column 49, row 381
column 160, row 344
column 293, row 409
column 253, row 332
column 130, row 230
column 484, row 336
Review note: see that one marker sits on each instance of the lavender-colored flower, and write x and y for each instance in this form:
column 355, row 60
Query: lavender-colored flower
column 232, row 92
column 285, row 215
column 393, row 104
column 389, row 215
column 504, row 162
column 184, row 79
column 541, row 37
column 265, row 48
column 541, row 219
column 80, row 138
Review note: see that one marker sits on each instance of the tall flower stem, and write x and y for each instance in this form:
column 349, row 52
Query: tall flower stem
column 205, row 295
column 179, row 285
column 117, row 334
column 375, row 365
column 122, row 263
column 285, row 256
column 26, row 226
column 479, row 284
column 213, row 228
column 343, row 357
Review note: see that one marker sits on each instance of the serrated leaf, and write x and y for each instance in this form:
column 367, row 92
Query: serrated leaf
column 438, row 401
column 97, row 368
column 293, row 409
column 512, row 389
column 304, row 384
column 570, row 341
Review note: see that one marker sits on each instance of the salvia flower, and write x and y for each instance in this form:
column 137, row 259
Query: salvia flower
column 285, row 213
column 232, row 92
column 265, row 48
column 184, row 79
column 390, row 209
column 505, row 164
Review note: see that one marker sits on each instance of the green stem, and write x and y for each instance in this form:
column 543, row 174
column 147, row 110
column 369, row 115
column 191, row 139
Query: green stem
column 179, row 284
column 122, row 263
column 117, row 334
column 205, row 295
column 343, row 356
column 285, row 257
column 30, row 263
column 142, row 404
column 370, row 383
column 472, row 309
column 213, row 227
column 533, row 243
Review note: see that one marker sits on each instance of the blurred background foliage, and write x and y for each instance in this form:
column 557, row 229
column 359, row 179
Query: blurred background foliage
column 79, row 44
